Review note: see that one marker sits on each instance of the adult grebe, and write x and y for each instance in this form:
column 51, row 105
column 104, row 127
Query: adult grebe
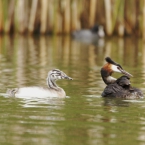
column 51, row 91
column 120, row 87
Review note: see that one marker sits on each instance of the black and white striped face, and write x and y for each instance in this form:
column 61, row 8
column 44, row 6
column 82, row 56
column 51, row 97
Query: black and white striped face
column 56, row 74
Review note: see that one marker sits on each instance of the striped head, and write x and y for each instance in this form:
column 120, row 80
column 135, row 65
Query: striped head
column 56, row 74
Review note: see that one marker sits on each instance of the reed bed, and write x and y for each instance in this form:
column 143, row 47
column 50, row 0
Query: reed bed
column 119, row 17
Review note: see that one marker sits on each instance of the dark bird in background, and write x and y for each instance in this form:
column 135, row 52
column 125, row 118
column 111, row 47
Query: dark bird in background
column 89, row 35
column 120, row 87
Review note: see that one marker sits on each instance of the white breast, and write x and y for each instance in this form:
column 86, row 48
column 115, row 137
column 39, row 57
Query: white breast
column 38, row 92
column 111, row 79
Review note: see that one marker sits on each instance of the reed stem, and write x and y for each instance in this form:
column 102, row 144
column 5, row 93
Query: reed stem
column 10, row 17
column 120, row 19
column 108, row 17
column 32, row 16
column 44, row 7
column 93, row 5
column 144, row 20
column 67, row 16
column 21, row 15
column 1, row 17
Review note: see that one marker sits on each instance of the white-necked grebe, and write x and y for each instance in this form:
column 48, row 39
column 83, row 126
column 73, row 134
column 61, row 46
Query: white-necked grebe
column 51, row 91
column 120, row 87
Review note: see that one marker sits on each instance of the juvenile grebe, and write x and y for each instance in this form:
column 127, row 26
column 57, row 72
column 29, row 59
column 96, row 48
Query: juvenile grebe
column 120, row 87
column 51, row 91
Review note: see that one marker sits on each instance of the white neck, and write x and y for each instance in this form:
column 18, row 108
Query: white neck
column 110, row 79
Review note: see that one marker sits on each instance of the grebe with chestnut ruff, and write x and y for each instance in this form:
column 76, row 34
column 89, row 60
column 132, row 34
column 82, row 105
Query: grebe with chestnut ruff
column 120, row 87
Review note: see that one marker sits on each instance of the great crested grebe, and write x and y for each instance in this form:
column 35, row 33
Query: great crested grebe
column 120, row 87
column 51, row 91
column 96, row 31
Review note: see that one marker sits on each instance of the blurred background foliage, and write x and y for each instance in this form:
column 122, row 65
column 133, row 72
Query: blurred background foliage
column 119, row 17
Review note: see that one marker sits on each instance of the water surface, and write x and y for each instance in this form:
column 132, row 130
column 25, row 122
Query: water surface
column 84, row 117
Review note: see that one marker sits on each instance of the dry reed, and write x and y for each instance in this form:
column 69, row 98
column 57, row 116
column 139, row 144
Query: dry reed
column 143, row 20
column 63, row 16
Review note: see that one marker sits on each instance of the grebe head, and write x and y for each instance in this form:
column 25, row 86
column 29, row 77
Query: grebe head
column 99, row 30
column 112, row 66
column 56, row 74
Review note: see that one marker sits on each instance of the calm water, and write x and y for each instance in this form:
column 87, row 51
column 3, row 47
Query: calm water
column 84, row 117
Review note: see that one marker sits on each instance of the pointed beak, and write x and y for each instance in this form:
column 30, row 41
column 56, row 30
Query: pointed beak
column 68, row 78
column 125, row 73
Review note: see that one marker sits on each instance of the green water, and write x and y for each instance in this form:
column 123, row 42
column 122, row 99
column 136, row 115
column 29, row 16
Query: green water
column 84, row 117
